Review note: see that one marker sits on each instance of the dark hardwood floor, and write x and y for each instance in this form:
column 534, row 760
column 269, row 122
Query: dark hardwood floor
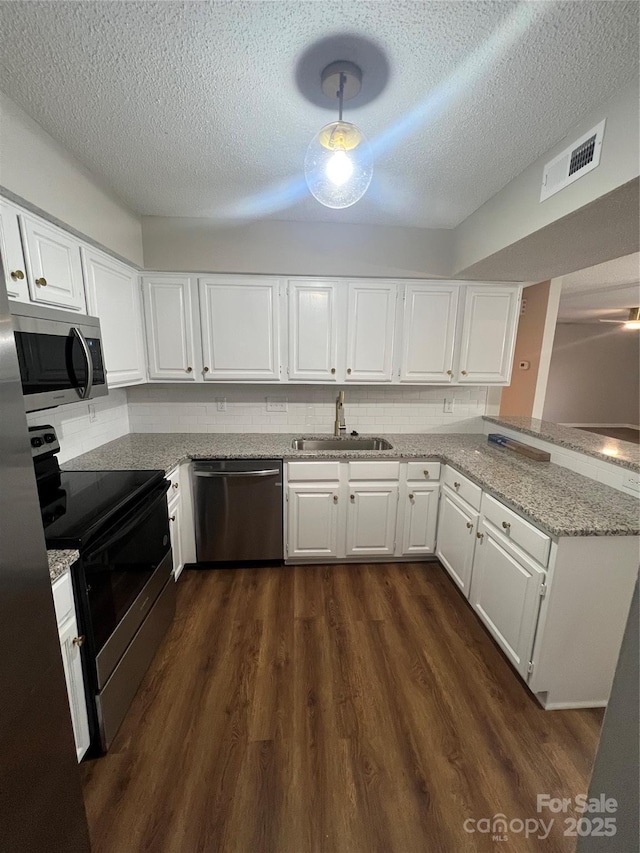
column 331, row 709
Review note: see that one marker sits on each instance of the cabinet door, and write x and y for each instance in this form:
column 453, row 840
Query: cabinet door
column 371, row 317
column 175, row 523
column 312, row 520
column 240, row 329
column 505, row 593
column 12, row 256
column 313, row 330
column 113, row 296
column 54, row 271
column 171, row 330
column 419, row 518
column 457, row 527
column 428, row 332
column 72, row 663
column 371, row 519
column 489, row 331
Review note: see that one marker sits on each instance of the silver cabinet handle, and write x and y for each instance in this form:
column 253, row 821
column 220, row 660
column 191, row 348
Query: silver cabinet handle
column 506, row 525
column 172, row 518
column 469, row 525
column 480, row 536
column 352, row 498
column 79, row 641
column 189, row 369
column 335, row 499
column 411, row 497
column 175, row 485
column 426, row 474
column 456, row 485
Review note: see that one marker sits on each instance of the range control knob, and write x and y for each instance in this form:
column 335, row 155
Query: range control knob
column 36, row 441
column 50, row 437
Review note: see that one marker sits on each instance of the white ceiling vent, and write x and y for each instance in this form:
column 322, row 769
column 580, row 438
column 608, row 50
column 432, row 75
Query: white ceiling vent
column 573, row 163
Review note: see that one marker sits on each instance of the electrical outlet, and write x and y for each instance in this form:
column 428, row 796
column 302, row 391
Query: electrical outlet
column 92, row 413
column 221, row 404
column 448, row 406
column 275, row 404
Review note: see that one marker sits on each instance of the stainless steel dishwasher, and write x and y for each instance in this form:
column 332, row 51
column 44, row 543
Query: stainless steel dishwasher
column 238, row 509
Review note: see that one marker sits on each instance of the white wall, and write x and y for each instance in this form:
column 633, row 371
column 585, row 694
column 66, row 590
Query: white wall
column 174, row 408
column 40, row 171
column 516, row 211
column 294, row 248
column 594, row 376
column 76, row 431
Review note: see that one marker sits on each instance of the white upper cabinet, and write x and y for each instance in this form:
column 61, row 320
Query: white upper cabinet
column 172, row 333
column 429, row 332
column 54, row 271
column 113, row 296
column 313, row 331
column 15, row 270
column 240, row 322
column 488, row 334
column 371, row 316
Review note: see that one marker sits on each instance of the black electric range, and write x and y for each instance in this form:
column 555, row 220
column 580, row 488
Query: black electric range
column 123, row 585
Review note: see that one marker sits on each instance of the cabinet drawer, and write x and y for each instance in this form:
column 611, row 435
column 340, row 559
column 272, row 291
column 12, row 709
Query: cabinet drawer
column 313, row 471
column 517, row 530
column 371, row 470
column 423, row 471
column 63, row 598
column 463, row 487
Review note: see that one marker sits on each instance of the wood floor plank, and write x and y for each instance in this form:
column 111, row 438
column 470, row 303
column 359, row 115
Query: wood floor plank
column 330, row 709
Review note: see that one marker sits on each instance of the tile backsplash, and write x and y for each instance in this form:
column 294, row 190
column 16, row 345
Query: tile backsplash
column 303, row 408
column 84, row 426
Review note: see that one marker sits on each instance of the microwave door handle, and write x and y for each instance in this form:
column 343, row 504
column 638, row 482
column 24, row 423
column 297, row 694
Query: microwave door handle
column 87, row 356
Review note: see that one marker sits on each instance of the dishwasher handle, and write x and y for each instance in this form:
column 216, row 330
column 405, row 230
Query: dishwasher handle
column 272, row 472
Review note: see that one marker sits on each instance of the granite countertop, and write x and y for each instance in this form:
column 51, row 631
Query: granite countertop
column 623, row 453
column 556, row 500
column 59, row 562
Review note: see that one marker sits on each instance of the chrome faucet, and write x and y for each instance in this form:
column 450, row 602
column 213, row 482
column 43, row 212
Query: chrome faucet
column 340, row 428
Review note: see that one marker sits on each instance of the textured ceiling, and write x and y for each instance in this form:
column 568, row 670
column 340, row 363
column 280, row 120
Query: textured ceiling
column 192, row 109
column 605, row 291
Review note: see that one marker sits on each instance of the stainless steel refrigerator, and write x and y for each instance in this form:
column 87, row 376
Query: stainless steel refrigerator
column 41, row 806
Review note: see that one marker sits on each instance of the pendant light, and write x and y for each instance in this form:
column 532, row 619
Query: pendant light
column 338, row 165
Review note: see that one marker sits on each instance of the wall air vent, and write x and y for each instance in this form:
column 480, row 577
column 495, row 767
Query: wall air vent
column 573, row 163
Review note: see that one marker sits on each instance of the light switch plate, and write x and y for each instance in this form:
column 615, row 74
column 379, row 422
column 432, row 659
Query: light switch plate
column 221, row 404
column 448, row 406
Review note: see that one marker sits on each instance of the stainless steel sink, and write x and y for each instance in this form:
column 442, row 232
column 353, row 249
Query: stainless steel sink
column 341, row 444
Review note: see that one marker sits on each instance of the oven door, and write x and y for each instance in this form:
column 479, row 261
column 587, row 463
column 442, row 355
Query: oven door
column 60, row 357
column 125, row 570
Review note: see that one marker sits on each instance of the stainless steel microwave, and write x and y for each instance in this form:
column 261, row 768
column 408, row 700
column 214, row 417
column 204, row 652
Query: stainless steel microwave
column 59, row 354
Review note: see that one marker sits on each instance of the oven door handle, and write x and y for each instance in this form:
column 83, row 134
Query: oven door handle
column 86, row 391
column 119, row 530
column 272, row 472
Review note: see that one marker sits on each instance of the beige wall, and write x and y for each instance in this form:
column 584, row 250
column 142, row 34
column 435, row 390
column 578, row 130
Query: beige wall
column 37, row 169
column 516, row 211
column 518, row 398
column 294, row 248
column 594, row 376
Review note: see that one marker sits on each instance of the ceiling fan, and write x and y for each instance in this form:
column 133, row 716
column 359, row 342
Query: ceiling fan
column 633, row 321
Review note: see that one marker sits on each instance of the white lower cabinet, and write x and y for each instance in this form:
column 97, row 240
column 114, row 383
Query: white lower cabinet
column 312, row 520
column 419, row 515
column 457, row 526
column 181, row 519
column 371, row 519
column 506, row 590
column 71, row 643
column 355, row 510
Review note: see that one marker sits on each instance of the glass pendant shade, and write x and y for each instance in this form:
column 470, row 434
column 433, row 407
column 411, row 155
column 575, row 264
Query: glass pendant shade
column 338, row 165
